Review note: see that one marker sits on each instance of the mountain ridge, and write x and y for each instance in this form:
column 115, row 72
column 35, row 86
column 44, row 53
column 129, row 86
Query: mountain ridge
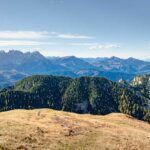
column 32, row 63
column 95, row 95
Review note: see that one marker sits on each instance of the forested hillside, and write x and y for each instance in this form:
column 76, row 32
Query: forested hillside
column 95, row 95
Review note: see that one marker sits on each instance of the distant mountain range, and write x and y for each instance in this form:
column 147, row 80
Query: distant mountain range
column 18, row 65
column 115, row 64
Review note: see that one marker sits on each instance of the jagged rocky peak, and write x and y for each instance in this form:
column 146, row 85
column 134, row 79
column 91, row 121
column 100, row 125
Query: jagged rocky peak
column 143, row 79
column 69, row 58
column 137, row 80
column 16, row 55
column 131, row 58
column 10, row 52
column 35, row 54
column 114, row 57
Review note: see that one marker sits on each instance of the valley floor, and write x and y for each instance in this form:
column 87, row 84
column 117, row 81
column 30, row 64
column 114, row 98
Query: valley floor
column 45, row 129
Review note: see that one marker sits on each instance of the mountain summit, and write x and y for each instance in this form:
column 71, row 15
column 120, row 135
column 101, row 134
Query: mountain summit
column 32, row 63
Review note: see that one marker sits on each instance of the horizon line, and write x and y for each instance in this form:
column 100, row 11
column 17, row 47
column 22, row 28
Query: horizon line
column 29, row 51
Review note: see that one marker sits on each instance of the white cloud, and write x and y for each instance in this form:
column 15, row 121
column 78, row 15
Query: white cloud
column 20, row 43
column 94, row 46
column 73, row 36
column 39, row 35
column 70, row 36
column 103, row 46
column 22, row 35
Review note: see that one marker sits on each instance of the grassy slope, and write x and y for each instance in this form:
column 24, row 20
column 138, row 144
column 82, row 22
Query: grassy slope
column 45, row 129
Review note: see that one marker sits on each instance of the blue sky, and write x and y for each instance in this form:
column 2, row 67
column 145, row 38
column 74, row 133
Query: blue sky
column 84, row 28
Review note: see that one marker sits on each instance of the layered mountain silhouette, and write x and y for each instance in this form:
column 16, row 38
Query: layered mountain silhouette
column 35, row 63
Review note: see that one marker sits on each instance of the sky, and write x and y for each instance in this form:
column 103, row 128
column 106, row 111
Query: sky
column 83, row 28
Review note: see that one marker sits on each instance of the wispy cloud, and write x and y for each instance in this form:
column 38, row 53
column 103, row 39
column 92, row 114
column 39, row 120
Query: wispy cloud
column 103, row 46
column 38, row 35
column 70, row 36
column 83, row 44
column 22, row 43
column 22, row 35
column 94, row 46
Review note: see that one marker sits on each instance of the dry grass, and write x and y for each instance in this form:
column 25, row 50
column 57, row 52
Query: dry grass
column 46, row 129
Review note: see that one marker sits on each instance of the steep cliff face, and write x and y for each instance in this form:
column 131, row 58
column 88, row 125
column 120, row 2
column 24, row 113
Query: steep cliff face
column 141, row 80
column 142, row 83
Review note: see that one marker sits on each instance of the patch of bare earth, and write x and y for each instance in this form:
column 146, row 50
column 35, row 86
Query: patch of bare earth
column 46, row 129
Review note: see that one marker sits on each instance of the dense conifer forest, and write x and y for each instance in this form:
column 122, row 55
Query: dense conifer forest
column 94, row 95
